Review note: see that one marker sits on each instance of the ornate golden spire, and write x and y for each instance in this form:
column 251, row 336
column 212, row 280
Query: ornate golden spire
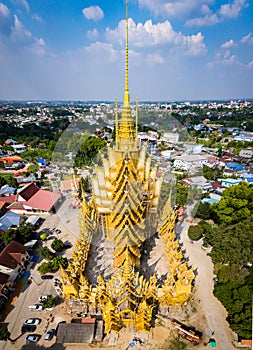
column 127, row 133
column 126, row 93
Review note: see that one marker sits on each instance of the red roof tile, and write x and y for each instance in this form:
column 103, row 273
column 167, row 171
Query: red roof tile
column 29, row 191
column 11, row 255
column 43, row 200
column 8, row 199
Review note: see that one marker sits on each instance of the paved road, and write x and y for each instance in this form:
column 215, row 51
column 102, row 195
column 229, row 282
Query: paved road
column 214, row 311
column 66, row 220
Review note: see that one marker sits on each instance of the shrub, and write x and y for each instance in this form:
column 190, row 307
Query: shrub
column 195, row 232
column 57, row 245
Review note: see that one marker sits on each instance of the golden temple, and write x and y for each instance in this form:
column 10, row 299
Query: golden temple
column 109, row 272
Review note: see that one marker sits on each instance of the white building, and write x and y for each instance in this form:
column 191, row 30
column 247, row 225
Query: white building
column 171, row 137
column 19, row 148
column 189, row 161
column 246, row 153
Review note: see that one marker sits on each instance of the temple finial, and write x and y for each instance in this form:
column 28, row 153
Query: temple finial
column 126, row 94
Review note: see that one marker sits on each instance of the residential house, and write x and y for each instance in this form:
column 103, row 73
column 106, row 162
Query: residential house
column 246, row 153
column 170, row 137
column 8, row 220
column 233, row 169
column 5, row 287
column 13, row 260
column 244, row 136
column 247, row 177
column 31, row 199
column 213, row 198
column 25, row 180
column 229, row 182
column 12, row 162
column 6, row 190
column 150, row 141
column 19, row 148
column 198, row 181
column 190, row 161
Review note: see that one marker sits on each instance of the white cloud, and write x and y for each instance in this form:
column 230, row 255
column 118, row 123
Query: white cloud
column 228, row 44
column 154, row 59
column 160, row 34
column 94, row 13
column 205, row 9
column 206, row 21
column 39, row 47
column 18, row 31
column 250, row 64
column 23, row 3
column 92, row 34
column 37, row 18
column 177, row 8
column 232, row 10
column 100, row 49
column 4, row 11
column 225, row 59
column 247, row 39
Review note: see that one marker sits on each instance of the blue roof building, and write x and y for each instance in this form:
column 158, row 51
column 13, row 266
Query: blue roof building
column 8, row 220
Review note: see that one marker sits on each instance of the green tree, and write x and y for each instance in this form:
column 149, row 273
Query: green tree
column 33, row 168
column 212, row 173
column 4, row 333
column 49, row 302
column 195, row 232
column 86, row 185
column 57, row 245
column 57, row 261
column 44, row 268
column 88, row 150
column 208, row 229
column 202, row 210
column 232, row 244
column 236, row 295
column 25, row 232
column 7, row 179
column 8, row 236
column 235, row 205
column 46, row 253
column 181, row 196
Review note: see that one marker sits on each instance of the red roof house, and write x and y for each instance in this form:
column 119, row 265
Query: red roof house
column 31, row 198
column 13, row 259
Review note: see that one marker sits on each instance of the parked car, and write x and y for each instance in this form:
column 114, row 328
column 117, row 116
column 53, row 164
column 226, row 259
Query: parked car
column 32, row 338
column 35, row 307
column 47, row 277
column 27, row 328
column 32, row 321
column 49, row 335
column 57, row 231
column 43, row 298
column 57, row 282
column 67, row 245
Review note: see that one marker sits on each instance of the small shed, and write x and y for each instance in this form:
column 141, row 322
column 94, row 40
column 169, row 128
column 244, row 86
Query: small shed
column 75, row 333
column 33, row 219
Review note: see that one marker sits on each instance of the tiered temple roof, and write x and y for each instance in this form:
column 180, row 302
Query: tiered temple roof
column 121, row 216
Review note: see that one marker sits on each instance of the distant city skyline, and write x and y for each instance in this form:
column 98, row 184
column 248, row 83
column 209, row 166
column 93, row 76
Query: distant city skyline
column 74, row 50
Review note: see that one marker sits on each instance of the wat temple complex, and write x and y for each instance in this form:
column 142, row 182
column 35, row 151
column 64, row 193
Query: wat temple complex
column 127, row 263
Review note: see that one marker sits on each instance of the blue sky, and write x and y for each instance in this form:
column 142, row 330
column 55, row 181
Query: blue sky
column 178, row 49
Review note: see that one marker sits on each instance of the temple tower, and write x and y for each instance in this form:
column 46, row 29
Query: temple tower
column 121, row 216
